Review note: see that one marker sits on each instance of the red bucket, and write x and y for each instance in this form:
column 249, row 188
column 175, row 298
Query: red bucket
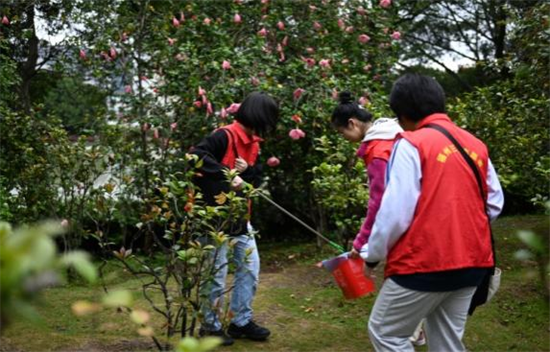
column 350, row 276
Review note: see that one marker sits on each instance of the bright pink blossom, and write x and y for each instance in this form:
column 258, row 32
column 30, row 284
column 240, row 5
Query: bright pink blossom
column 171, row 41
column 363, row 38
column 298, row 93
column 334, row 94
column 82, row 54
column 156, row 133
column 175, row 22
column 396, row 35
column 324, row 63
column 296, row 133
column 281, row 25
column 226, row 65
column 233, row 108
column 385, row 3
column 350, row 29
column 262, row 32
column 237, row 18
column 363, row 101
column 197, row 104
column 341, row 23
column 204, row 99
column 223, row 113
column 5, row 21
column 201, row 91
column 297, row 118
column 207, row 21
column 309, row 61
column 209, row 110
column 273, row 161
column 112, row 52
column 361, row 10
column 285, row 40
column 317, row 25
column 173, row 126
column 128, row 89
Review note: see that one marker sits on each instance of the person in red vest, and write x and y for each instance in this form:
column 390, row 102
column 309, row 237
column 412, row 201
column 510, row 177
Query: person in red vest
column 355, row 124
column 432, row 227
column 235, row 146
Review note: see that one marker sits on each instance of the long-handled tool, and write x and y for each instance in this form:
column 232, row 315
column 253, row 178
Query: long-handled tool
column 334, row 245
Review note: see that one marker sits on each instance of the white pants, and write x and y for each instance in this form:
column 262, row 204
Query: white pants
column 398, row 311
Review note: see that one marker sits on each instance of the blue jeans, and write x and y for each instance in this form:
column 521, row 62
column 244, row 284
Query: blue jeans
column 244, row 283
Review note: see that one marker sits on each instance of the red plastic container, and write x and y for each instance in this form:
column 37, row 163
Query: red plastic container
column 350, row 277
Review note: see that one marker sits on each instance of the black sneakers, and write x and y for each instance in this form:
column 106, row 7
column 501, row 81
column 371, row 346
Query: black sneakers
column 250, row 331
column 226, row 340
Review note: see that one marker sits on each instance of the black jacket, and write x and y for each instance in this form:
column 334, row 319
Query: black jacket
column 211, row 150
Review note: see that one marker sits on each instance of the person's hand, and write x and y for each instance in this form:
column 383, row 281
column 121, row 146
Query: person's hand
column 354, row 254
column 237, row 183
column 241, row 164
column 369, row 272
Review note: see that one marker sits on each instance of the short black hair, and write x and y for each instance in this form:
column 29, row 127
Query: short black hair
column 416, row 97
column 348, row 109
column 259, row 112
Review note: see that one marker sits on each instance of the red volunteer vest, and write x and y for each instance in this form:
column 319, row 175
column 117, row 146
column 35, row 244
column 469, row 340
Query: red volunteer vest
column 449, row 228
column 239, row 142
column 377, row 148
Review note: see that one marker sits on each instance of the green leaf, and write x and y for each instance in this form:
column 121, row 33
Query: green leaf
column 120, row 298
column 532, row 240
column 81, row 263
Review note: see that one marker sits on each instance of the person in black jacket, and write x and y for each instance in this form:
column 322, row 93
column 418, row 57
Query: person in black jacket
column 235, row 146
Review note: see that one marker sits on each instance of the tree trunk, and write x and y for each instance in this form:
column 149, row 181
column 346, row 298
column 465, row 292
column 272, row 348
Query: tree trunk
column 27, row 70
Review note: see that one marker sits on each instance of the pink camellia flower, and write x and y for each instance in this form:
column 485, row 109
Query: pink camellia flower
column 296, row 133
column 363, row 101
column 64, row 223
column 207, row 21
column 237, row 18
column 204, row 99
column 350, row 29
column 182, row 17
column 112, row 52
column 298, row 93
column 297, row 118
column 385, row 3
column 273, row 162
column 265, row 2
column 156, row 133
column 341, row 23
column 317, row 25
column 255, row 81
column 281, row 25
column 128, row 89
column 361, row 10
column 233, row 108
column 363, row 38
column 262, row 32
column 226, row 65
column 197, row 104
column 5, row 21
column 145, row 127
column 173, row 126
column 396, row 35
column 175, row 22
column 285, row 40
column 201, row 91
column 223, row 113
column 324, row 63
column 82, row 54
column 209, row 110
column 171, row 41
column 309, row 61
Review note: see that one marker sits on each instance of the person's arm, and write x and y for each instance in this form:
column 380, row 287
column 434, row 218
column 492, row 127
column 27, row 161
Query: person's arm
column 253, row 174
column 376, row 172
column 211, row 151
column 495, row 196
column 404, row 177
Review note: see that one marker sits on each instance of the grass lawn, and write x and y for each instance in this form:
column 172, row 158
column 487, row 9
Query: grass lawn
column 304, row 309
